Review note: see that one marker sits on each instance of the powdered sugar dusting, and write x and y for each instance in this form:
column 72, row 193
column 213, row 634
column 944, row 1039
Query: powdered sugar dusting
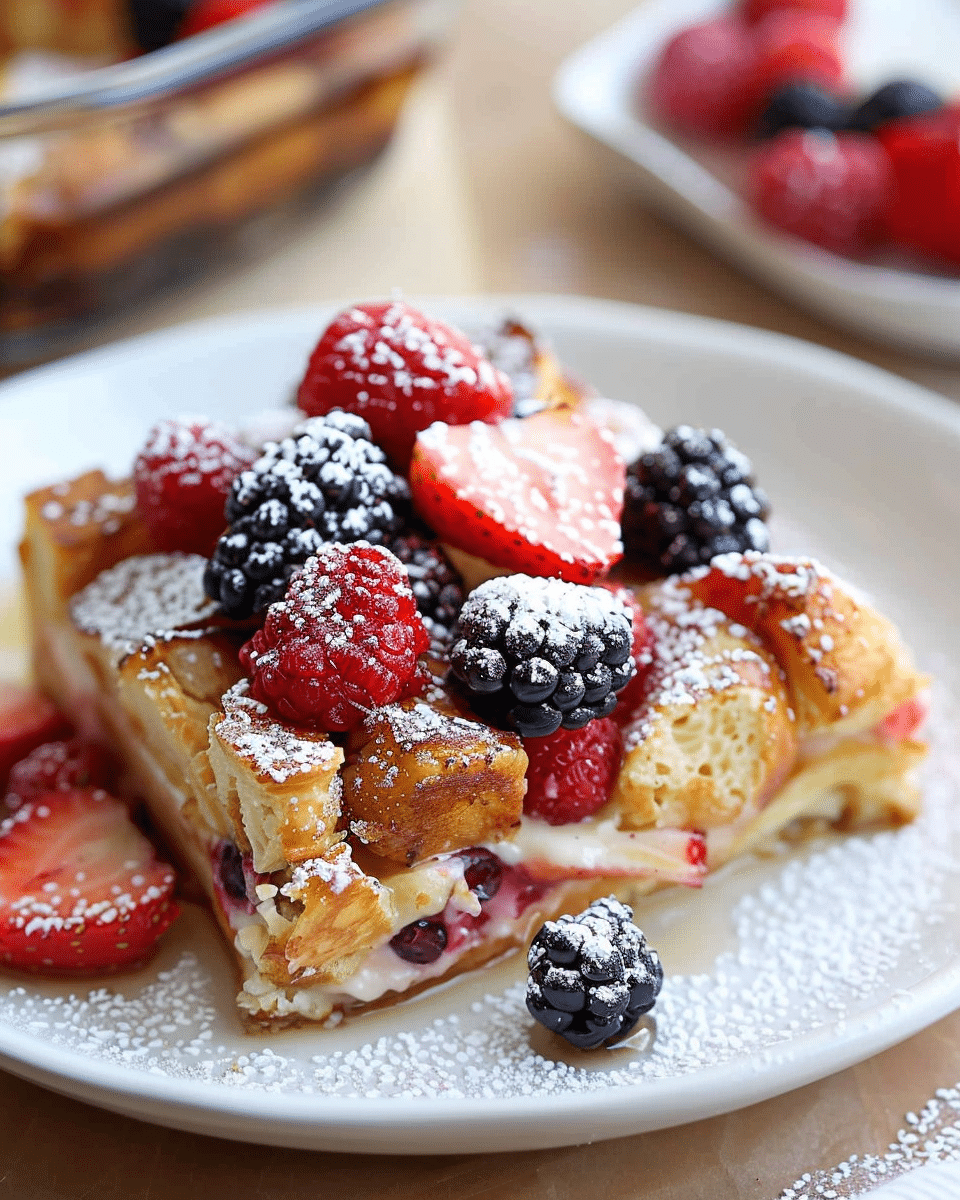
column 827, row 937
column 149, row 595
column 273, row 749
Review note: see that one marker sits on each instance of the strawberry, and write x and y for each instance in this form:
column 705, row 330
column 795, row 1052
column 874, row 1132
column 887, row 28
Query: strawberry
column 541, row 495
column 27, row 719
column 58, row 767
column 80, row 888
column 905, row 720
column 401, row 371
column 792, row 45
column 925, row 155
column 206, row 14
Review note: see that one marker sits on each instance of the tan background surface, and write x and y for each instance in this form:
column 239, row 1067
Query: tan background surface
column 488, row 190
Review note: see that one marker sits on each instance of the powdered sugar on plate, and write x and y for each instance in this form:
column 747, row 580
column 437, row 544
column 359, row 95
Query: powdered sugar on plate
column 818, row 939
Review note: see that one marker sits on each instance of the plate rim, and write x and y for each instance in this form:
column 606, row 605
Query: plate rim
column 321, row 1122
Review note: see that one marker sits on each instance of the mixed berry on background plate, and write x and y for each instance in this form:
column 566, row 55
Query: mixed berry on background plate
column 857, row 174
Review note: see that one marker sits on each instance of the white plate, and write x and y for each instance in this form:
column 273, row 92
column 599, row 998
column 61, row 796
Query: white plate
column 778, row 973
column 700, row 185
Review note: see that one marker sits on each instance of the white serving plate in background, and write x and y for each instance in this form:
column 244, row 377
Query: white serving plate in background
column 779, row 972
column 697, row 184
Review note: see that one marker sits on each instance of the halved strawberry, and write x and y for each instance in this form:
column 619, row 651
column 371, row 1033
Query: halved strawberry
column 27, row 719
column 80, row 888
column 541, row 495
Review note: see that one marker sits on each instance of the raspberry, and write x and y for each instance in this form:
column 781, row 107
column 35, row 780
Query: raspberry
column 572, row 772
column 401, row 371
column 703, row 81
column 792, row 46
column 834, row 191
column 893, row 102
column 344, row 640
column 58, row 767
column 691, row 499
column 592, row 976
column 325, row 483
column 541, row 653
column 183, row 476
column 757, row 10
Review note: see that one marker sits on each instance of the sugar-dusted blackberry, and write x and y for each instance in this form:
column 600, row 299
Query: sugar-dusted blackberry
column 692, row 498
column 902, row 98
column 436, row 584
column 801, row 104
column 592, row 976
column 327, row 482
column 542, row 653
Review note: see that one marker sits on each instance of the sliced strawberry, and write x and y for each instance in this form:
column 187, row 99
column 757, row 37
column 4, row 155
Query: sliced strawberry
column 58, row 767
column 27, row 719
column 542, row 495
column 80, row 888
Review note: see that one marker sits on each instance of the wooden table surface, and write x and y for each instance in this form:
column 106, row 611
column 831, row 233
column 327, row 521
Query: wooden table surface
column 486, row 189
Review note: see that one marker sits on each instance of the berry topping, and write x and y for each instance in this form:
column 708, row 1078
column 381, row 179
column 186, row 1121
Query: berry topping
column 325, row 483
column 703, row 81
column 401, row 371
column 541, row 653
column 206, row 14
column 436, row 585
column 592, row 976
column 834, row 191
column 58, row 767
column 801, row 106
column 155, row 23
column 183, row 476
column 344, row 640
column 792, row 45
column 924, row 152
column 756, row 10
column 420, row 942
column 692, row 498
column 641, row 651
column 80, row 888
column 541, row 495
column 903, row 98
column 572, row 772
column 27, row 720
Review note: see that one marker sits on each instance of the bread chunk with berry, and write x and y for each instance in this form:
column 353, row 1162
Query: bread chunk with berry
column 715, row 736
column 279, row 785
column 422, row 781
column 846, row 665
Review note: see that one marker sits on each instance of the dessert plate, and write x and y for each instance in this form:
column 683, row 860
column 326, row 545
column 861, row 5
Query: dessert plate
column 779, row 972
column 599, row 89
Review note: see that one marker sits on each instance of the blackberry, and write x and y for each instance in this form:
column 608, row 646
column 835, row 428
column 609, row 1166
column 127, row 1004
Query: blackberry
column 542, row 653
column 327, row 482
column 155, row 23
column 801, row 105
column 592, row 976
column 690, row 499
column 436, row 585
column 902, row 98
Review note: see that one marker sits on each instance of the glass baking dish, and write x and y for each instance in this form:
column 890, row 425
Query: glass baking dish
column 142, row 175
